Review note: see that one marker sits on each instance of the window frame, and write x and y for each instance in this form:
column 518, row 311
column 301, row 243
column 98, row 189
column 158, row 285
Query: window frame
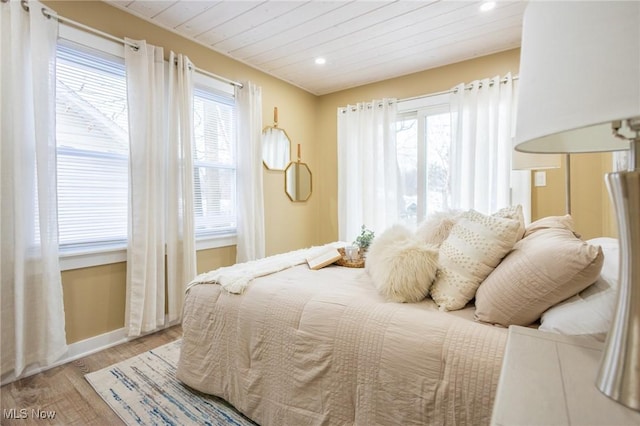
column 83, row 257
column 420, row 108
column 207, row 240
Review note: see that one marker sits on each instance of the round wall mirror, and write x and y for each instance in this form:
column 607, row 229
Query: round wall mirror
column 297, row 181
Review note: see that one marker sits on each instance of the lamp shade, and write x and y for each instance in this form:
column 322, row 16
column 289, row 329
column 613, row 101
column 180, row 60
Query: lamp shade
column 526, row 161
column 579, row 67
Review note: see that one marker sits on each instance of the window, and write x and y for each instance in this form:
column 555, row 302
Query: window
column 93, row 153
column 93, row 148
column 423, row 138
column 214, row 162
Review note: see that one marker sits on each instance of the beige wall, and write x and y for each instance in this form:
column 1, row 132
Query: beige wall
column 591, row 208
column 94, row 297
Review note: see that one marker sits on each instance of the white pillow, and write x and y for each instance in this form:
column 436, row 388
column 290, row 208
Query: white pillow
column 589, row 312
column 474, row 247
column 401, row 266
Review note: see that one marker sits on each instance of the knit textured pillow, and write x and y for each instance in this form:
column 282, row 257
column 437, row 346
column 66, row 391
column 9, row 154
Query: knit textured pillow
column 475, row 246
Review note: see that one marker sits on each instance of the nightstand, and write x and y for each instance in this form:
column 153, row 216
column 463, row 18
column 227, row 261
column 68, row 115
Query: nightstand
column 549, row 379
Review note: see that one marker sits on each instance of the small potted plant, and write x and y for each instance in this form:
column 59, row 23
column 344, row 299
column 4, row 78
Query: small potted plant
column 365, row 239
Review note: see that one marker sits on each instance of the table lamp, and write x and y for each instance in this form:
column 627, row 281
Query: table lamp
column 580, row 92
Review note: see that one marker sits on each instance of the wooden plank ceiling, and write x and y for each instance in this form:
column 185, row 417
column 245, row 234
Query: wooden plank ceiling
column 362, row 41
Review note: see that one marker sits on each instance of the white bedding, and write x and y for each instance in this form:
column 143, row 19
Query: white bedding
column 236, row 278
column 303, row 347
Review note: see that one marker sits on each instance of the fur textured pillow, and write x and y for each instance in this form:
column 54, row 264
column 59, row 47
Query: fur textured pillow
column 402, row 266
column 475, row 246
column 436, row 227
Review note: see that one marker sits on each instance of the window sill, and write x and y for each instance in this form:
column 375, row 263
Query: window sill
column 86, row 258
column 217, row 241
column 117, row 254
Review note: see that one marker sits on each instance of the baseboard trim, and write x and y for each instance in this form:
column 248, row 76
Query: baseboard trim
column 84, row 348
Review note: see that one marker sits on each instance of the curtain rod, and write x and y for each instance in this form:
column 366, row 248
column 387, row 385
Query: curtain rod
column 444, row 92
column 49, row 15
column 454, row 90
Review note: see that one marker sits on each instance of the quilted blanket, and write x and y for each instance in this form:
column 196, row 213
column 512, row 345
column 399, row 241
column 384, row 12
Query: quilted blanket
column 303, row 347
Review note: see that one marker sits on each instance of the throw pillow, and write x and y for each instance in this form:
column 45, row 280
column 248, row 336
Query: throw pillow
column 562, row 222
column 401, row 266
column 513, row 212
column 436, row 227
column 474, row 247
column 591, row 311
column 544, row 268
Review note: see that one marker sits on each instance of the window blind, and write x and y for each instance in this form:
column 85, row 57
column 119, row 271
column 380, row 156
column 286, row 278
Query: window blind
column 214, row 162
column 93, row 148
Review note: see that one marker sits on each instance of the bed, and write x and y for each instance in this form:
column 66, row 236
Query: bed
column 305, row 347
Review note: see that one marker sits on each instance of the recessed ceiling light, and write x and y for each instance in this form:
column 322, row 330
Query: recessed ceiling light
column 320, row 61
column 487, row 5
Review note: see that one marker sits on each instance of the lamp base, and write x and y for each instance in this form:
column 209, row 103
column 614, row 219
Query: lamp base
column 619, row 376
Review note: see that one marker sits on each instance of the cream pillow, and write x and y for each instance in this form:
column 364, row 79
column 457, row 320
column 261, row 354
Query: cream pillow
column 474, row 247
column 543, row 269
column 401, row 266
column 513, row 212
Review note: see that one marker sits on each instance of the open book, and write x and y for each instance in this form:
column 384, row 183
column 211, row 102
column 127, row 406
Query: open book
column 323, row 257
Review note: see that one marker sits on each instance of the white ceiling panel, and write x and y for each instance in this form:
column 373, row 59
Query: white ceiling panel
column 255, row 18
column 218, row 14
column 181, row 12
column 362, row 41
column 295, row 17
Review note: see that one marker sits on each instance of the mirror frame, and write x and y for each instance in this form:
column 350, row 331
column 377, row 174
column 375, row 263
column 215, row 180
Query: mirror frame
column 293, row 197
column 267, row 166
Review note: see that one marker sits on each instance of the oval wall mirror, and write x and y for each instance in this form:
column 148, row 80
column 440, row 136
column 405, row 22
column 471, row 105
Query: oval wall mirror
column 297, row 181
column 276, row 146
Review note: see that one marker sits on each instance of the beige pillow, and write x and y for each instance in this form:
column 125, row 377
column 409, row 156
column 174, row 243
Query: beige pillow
column 543, row 269
column 401, row 266
column 590, row 312
column 474, row 247
column 563, row 222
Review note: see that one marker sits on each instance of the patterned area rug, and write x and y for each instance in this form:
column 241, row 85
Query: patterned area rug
column 143, row 390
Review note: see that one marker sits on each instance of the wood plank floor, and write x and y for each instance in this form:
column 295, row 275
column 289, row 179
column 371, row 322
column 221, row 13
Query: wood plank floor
column 64, row 389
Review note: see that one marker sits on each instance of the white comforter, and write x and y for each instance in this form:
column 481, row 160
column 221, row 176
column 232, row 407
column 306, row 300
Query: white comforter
column 303, row 347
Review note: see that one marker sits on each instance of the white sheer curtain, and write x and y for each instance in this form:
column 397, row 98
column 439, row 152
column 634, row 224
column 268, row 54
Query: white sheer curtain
column 520, row 178
column 250, row 239
column 181, row 244
column 482, row 126
column 368, row 174
column 33, row 324
column 145, row 302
